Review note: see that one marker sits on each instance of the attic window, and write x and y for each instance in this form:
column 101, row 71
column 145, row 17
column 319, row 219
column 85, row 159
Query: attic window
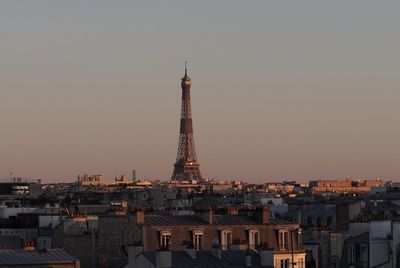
column 165, row 239
column 283, row 239
column 197, row 238
column 254, row 238
column 226, row 239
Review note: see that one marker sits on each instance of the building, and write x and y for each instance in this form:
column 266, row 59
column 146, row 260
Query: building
column 249, row 228
column 19, row 189
column 345, row 185
column 97, row 180
column 356, row 252
column 201, row 259
column 384, row 240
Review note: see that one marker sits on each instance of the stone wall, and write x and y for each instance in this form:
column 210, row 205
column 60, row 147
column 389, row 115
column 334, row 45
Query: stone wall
column 114, row 233
column 81, row 247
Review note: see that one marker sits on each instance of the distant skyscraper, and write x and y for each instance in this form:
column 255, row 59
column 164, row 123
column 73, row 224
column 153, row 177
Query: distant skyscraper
column 186, row 165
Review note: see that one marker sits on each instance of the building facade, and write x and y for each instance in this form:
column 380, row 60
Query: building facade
column 238, row 229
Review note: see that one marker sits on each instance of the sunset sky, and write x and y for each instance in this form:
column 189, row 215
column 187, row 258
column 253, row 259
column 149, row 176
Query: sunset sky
column 280, row 89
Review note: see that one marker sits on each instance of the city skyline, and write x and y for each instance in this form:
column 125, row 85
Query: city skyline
column 305, row 91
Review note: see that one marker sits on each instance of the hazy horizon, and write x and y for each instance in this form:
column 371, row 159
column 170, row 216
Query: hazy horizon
column 301, row 90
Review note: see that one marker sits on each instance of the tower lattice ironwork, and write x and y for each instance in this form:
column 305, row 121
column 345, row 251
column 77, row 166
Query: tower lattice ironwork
column 186, row 166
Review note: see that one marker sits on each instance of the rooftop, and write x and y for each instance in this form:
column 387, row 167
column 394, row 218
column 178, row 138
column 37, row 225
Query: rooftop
column 206, row 259
column 192, row 220
column 49, row 256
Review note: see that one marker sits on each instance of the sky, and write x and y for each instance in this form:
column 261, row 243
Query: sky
column 280, row 89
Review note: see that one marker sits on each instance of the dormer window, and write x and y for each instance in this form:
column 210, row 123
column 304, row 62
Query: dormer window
column 352, row 255
column 226, row 239
column 197, row 238
column 165, row 239
column 254, row 238
column 283, row 239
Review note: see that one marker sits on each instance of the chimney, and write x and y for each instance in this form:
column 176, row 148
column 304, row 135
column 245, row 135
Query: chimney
column 139, row 216
column 267, row 257
column 248, row 260
column 29, row 245
column 191, row 251
column 205, row 213
column 133, row 251
column 263, row 214
column 163, row 259
column 233, row 211
column 217, row 252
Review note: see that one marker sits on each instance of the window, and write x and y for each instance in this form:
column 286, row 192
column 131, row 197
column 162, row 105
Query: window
column 284, row 263
column 165, row 239
column 352, row 255
column 226, row 239
column 363, row 253
column 300, row 263
column 197, row 239
column 254, row 238
column 283, row 239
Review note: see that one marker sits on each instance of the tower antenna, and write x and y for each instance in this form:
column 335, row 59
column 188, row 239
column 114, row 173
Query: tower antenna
column 185, row 68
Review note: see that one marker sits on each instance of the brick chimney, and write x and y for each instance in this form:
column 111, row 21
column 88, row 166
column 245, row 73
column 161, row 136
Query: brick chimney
column 263, row 214
column 139, row 216
column 233, row 211
column 29, row 245
column 205, row 213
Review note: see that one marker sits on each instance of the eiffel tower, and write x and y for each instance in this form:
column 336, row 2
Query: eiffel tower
column 186, row 167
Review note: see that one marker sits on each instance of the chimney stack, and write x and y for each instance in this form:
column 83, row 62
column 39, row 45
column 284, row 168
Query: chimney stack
column 139, row 216
column 205, row 213
column 191, row 251
column 262, row 214
column 248, row 260
column 133, row 251
column 163, row 259
column 267, row 257
column 266, row 215
column 29, row 245
column 233, row 211
column 217, row 252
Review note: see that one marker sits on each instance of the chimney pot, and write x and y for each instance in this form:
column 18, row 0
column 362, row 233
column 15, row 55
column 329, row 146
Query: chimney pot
column 190, row 251
column 267, row 257
column 248, row 260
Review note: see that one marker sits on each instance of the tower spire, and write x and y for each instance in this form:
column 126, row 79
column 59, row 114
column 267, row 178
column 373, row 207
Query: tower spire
column 185, row 68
